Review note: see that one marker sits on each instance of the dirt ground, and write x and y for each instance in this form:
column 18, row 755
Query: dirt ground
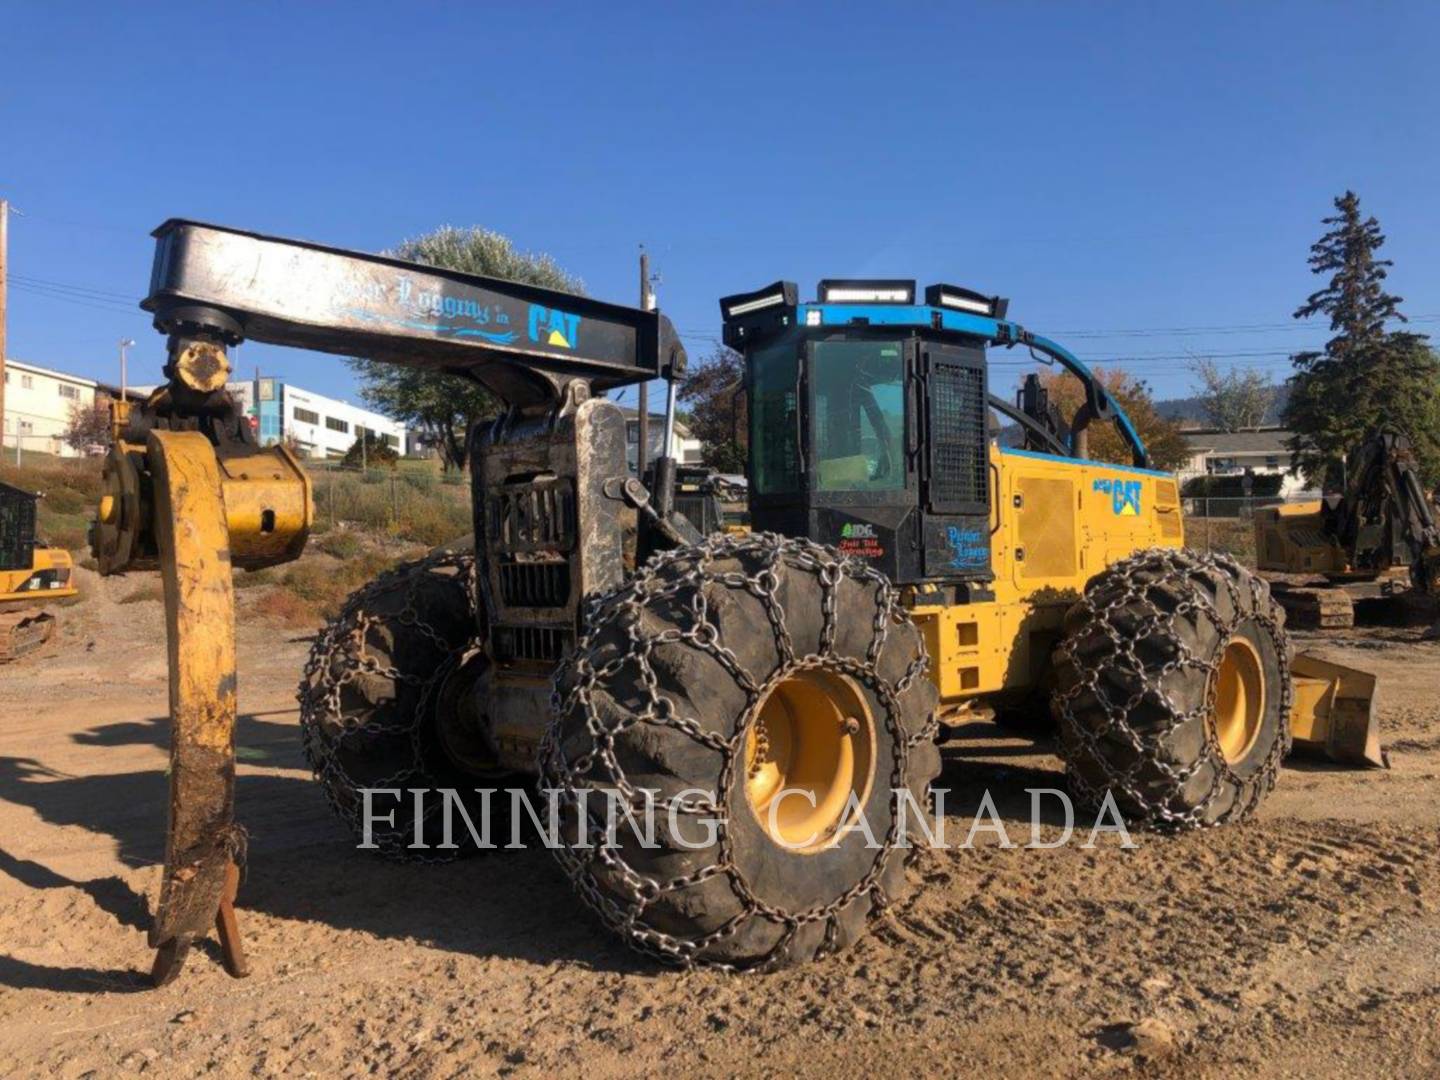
column 1304, row 943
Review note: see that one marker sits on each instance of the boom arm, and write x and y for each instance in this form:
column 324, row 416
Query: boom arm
column 520, row 341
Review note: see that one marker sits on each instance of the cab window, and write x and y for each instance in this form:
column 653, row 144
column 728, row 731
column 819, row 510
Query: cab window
column 774, row 429
column 857, row 402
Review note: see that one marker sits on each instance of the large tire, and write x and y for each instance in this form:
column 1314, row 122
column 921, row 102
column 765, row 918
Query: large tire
column 1145, row 690
column 370, row 701
column 665, row 692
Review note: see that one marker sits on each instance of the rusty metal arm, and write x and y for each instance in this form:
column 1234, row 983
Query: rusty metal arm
column 520, row 341
column 195, row 504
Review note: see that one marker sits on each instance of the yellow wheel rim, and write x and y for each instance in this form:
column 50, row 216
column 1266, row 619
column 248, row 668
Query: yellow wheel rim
column 1239, row 699
column 810, row 755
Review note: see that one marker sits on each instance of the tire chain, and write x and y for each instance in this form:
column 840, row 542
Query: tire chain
column 341, row 653
column 1179, row 565
column 667, row 576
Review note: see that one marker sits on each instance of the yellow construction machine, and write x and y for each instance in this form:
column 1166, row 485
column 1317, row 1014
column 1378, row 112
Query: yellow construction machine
column 774, row 695
column 1376, row 540
column 30, row 575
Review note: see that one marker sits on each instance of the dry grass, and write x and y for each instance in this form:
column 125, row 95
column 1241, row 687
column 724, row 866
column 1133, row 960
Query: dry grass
column 284, row 607
column 406, row 504
column 71, row 489
column 314, row 588
column 151, row 590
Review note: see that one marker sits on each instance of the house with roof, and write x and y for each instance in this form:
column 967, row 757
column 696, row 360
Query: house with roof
column 1262, row 451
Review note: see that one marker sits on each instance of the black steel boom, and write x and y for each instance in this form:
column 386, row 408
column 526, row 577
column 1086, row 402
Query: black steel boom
column 520, row 341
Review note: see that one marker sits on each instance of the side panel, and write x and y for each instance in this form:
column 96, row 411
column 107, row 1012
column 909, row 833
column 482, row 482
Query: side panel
column 1057, row 524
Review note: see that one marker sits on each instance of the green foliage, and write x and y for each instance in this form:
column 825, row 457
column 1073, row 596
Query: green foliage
column 442, row 407
column 1264, row 485
column 1233, row 400
column 70, row 488
column 373, row 452
column 1367, row 377
column 716, row 408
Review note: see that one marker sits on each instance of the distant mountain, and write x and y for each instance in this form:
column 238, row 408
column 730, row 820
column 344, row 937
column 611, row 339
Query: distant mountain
column 1189, row 408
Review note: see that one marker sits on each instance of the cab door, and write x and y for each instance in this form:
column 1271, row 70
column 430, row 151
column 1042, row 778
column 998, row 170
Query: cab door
column 955, row 488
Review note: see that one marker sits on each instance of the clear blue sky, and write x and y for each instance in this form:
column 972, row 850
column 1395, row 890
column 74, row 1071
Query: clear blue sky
column 1110, row 167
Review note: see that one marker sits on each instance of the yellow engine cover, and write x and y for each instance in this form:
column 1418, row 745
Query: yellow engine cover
column 1054, row 524
column 51, row 575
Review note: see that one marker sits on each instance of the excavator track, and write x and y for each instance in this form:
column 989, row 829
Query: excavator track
column 22, row 632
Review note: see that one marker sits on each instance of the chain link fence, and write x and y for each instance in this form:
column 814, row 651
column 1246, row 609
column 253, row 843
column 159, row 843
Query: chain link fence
column 1226, row 524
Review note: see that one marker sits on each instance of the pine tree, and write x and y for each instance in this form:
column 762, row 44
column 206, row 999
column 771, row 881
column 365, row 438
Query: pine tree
column 1367, row 377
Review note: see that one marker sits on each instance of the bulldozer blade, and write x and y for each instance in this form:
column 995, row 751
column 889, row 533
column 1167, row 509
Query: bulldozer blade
column 203, row 843
column 1333, row 713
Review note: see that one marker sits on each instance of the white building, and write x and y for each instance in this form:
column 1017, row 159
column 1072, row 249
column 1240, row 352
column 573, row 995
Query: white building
column 323, row 426
column 38, row 403
column 684, row 448
column 1261, row 451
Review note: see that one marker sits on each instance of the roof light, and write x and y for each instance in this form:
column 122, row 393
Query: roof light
column 953, row 296
column 782, row 293
column 837, row 291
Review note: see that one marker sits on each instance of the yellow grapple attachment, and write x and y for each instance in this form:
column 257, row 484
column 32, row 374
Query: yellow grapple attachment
column 195, row 510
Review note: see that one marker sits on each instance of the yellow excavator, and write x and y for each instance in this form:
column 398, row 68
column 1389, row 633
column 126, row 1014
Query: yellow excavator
column 777, row 695
column 30, row 575
column 1375, row 540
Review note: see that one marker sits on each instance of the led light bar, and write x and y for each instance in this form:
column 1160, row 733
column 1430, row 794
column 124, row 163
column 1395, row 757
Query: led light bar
column 953, row 296
column 840, row 291
column 781, row 294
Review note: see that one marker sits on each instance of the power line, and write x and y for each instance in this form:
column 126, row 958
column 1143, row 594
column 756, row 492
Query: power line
column 130, row 297
column 68, row 298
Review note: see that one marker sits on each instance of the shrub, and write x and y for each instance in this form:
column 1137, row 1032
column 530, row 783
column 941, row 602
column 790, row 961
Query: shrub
column 343, row 545
column 1266, row 485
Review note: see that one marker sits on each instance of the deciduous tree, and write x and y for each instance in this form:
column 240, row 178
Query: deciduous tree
column 89, row 425
column 712, row 392
column 1233, row 400
column 1163, row 438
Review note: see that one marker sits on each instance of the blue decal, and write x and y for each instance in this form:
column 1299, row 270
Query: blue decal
column 497, row 337
column 1124, row 495
column 967, row 546
column 552, row 326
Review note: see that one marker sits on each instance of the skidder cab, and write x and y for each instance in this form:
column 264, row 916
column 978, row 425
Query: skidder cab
column 869, row 422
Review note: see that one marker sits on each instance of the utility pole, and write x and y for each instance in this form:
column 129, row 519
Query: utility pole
column 642, row 394
column 4, row 270
column 125, row 343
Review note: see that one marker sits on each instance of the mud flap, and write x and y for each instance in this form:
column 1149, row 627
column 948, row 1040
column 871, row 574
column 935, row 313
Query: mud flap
column 203, row 844
column 1333, row 715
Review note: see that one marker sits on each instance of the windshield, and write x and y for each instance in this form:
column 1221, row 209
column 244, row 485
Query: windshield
column 857, row 404
column 774, row 456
